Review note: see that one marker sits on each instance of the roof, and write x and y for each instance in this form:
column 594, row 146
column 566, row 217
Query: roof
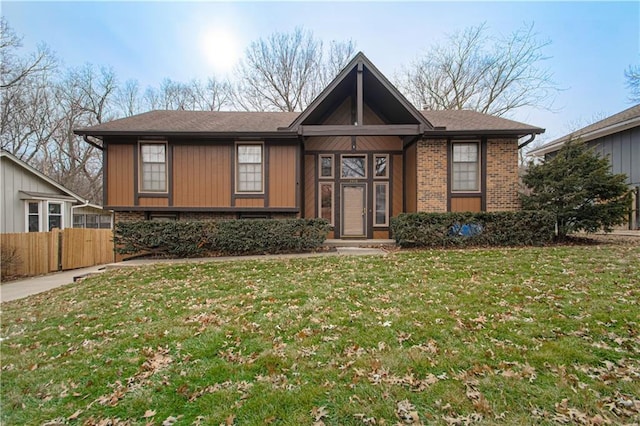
column 20, row 163
column 192, row 122
column 467, row 120
column 373, row 88
column 627, row 119
column 233, row 122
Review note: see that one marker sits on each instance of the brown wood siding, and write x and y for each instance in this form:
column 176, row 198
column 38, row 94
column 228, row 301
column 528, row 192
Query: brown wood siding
column 397, row 195
column 153, row 201
column 466, row 204
column 309, row 186
column 341, row 115
column 202, row 175
column 380, row 235
column 328, row 143
column 120, row 175
column 249, row 202
column 410, row 180
column 379, row 143
column 282, row 176
column 370, row 117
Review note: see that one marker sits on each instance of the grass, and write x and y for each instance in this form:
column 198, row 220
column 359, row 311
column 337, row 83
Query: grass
column 488, row 336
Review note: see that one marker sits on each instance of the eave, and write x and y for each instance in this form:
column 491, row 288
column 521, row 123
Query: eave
column 194, row 135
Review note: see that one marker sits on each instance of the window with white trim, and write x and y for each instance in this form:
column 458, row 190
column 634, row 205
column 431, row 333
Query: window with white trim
column 33, row 216
column 153, row 161
column 54, row 215
column 465, row 167
column 325, row 194
column 249, row 168
column 381, row 207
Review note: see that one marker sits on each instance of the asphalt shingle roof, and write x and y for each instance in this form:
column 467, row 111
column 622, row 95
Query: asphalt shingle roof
column 247, row 122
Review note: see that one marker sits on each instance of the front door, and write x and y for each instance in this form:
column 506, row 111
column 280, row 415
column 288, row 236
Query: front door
column 354, row 210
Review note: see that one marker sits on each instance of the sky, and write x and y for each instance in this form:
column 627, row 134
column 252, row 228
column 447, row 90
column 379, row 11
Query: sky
column 591, row 43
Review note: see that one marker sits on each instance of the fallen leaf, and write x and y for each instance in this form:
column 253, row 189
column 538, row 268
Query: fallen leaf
column 149, row 413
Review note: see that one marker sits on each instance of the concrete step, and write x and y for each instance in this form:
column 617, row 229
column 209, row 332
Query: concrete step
column 360, row 243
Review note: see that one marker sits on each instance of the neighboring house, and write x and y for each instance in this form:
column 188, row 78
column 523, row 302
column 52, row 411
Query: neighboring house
column 357, row 156
column 616, row 137
column 32, row 202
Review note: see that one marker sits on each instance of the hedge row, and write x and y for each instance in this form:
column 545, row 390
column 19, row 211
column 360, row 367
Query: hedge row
column 473, row 229
column 228, row 237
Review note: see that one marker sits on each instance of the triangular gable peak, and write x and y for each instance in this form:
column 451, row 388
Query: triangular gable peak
column 360, row 91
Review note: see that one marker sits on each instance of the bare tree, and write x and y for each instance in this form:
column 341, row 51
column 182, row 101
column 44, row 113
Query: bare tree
column 633, row 82
column 26, row 103
column 286, row 71
column 212, row 96
column 128, row 99
column 15, row 69
column 476, row 71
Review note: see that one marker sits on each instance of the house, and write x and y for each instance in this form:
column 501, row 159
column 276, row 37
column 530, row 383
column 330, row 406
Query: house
column 32, row 202
column 616, row 137
column 358, row 155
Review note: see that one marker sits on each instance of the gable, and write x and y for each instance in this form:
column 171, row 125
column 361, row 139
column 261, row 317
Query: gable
column 363, row 88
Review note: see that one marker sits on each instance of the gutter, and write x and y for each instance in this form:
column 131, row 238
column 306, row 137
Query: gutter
column 86, row 139
column 86, row 203
column 532, row 136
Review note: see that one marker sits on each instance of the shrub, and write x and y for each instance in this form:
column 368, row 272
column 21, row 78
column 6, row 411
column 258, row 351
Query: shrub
column 198, row 238
column 10, row 261
column 173, row 238
column 472, row 229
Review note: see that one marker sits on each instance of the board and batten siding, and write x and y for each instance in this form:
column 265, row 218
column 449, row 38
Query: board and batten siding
column 202, row 175
column 283, row 182
column 623, row 150
column 13, row 179
column 120, row 172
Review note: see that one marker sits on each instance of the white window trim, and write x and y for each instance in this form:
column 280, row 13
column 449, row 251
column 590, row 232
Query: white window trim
column 333, row 200
column 237, row 168
column 386, row 176
column 366, row 171
column 333, row 166
column 386, row 205
column 479, row 172
column 26, row 215
column 62, row 215
column 141, row 190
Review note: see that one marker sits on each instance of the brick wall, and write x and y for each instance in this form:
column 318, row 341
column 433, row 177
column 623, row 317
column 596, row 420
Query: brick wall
column 502, row 175
column 432, row 175
column 128, row 216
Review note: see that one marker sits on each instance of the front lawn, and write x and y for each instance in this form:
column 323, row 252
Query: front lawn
column 506, row 336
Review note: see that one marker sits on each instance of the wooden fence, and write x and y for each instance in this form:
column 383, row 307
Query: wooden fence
column 36, row 253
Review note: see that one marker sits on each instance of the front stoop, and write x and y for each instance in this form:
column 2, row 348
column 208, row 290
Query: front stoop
column 390, row 244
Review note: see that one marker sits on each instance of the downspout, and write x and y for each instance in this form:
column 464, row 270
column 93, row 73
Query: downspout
column 86, row 203
column 528, row 141
column 86, row 139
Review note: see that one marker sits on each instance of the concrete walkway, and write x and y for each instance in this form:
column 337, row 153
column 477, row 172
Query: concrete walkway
column 23, row 288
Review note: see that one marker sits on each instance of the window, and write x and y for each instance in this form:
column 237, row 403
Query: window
column 249, row 168
column 381, row 166
column 326, row 166
column 326, row 201
column 354, row 166
column 33, row 216
column 101, row 221
column 465, row 168
column 154, row 167
column 55, row 215
column 381, row 197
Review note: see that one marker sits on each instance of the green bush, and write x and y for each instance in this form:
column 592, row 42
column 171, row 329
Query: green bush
column 473, row 229
column 199, row 238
